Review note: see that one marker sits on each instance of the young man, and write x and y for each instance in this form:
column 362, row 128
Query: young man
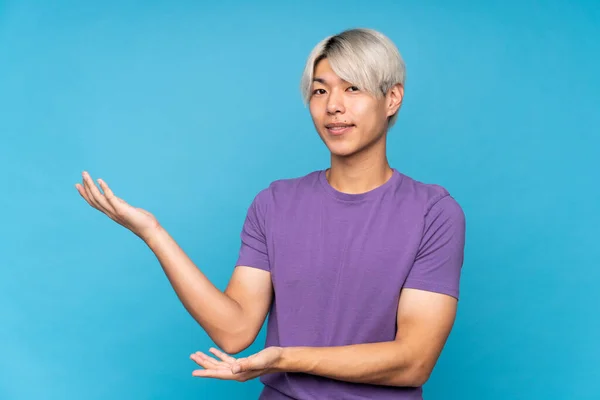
column 358, row 265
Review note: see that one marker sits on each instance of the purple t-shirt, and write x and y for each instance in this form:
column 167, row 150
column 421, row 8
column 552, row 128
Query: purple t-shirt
column 338, row 262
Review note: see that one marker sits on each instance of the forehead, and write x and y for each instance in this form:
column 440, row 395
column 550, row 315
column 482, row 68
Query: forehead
column 323, row 73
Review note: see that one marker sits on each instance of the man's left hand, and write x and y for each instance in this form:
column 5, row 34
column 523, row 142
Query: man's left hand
column 241, row 369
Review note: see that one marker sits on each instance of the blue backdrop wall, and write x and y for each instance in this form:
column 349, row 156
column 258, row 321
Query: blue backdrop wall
column 188, row 110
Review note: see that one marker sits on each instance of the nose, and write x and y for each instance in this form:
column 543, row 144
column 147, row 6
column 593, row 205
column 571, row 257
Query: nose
column 335, row 103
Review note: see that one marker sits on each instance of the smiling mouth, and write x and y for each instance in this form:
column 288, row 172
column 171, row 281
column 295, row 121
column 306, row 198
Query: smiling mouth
column 338, row 129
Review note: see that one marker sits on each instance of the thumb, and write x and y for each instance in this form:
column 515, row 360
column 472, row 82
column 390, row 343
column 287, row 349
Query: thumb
column 241, row 365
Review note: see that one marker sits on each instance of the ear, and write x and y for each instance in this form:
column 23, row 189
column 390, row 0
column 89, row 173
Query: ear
column 394, row 99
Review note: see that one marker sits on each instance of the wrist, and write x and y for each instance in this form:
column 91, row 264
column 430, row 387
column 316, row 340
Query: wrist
column 285, row 362
column 152, row 235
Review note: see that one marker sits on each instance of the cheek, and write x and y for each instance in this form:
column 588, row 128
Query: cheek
column 315, row 111
column 364, row 113
column 372, row 113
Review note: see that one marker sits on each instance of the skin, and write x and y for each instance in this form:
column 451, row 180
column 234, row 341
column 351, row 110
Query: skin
column 358, row 157
column 234, row 317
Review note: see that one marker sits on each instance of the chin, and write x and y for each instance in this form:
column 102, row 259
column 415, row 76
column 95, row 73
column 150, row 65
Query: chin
column 342, row 151
column 344, row 146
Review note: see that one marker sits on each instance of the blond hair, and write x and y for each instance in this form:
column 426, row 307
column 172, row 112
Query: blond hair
column 364, row 57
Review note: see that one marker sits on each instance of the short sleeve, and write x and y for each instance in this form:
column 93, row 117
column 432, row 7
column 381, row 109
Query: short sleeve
column 253, row 250
column 438, row 264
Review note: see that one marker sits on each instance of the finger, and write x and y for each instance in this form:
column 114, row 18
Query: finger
column 207, row 357
column 225, row 375
column 207, row 365
column 222, row 374
column 86, row 185
column 208, row 362
column 203, row 361
column 83, row 193
column 108, row 193
column 223, row 356
column 89, row 194
column 236, row 368
column 95, row 194
column 242, row 365
column 89, row 199
column 119, row 205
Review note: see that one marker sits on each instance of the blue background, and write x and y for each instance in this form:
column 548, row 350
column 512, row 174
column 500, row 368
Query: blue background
column 189, row 109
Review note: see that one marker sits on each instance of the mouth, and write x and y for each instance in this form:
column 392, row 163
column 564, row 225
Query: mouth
column 337, row 129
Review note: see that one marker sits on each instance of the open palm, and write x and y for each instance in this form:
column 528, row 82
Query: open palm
column 135, row 219
column 241, row 369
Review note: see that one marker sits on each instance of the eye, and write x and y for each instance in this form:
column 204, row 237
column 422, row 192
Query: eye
column 353, row 89
column 318, row 91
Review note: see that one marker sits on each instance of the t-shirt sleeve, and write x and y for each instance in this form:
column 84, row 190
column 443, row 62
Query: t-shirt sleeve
column 438, row 264
column 253, row 250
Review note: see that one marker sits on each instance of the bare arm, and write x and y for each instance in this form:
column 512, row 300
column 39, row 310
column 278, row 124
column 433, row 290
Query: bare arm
column 424, row 320
column 232, row 318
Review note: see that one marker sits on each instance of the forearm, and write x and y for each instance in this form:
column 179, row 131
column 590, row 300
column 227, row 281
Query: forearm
column 219, row 315
column 385, row 363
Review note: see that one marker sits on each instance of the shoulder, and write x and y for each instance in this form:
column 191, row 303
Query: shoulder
column 430, row 198
column 287, row 188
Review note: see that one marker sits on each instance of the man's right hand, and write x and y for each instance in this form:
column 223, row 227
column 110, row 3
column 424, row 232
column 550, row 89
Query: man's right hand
column 137, row 220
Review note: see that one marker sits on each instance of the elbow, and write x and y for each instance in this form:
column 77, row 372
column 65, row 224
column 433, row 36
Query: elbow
column 232, row 338
column 231, row 347
column 233, row 343
column 419, row 380
column 419, row 373
column 416, row 374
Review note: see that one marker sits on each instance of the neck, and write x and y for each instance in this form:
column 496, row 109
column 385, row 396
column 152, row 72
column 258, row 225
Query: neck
column 360, row 172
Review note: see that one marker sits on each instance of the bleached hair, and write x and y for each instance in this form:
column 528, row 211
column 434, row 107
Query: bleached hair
column 364, row 57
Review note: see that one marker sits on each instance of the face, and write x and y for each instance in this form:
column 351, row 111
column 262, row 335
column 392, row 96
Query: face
column 347, row 118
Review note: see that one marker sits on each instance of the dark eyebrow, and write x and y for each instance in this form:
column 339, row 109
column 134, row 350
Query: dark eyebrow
column 320, row 80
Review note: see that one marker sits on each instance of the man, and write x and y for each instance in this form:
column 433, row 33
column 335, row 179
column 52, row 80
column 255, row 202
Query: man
column 357, row 266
